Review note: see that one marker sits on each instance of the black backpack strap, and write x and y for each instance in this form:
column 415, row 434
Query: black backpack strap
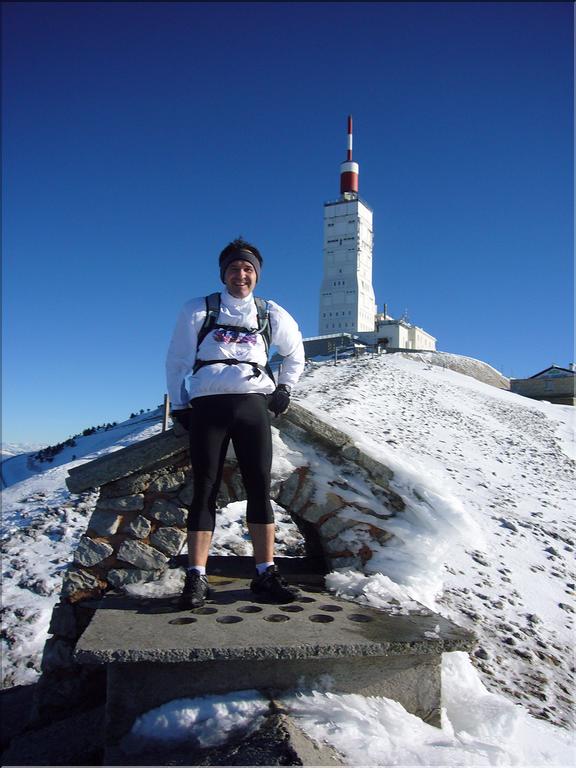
column 256, row 368
column 212, row 312
column 265, row 329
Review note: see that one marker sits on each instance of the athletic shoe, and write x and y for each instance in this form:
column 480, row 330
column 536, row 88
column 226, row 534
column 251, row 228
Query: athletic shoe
column 194, row 592
column 272, row 586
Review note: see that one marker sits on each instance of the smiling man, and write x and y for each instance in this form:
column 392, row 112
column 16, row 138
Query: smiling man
column 222, row 389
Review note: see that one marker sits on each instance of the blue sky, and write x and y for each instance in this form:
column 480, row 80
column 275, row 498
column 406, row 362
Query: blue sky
column 140, row 138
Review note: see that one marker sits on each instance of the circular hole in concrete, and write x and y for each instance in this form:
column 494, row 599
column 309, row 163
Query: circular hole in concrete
column 359, row 617
column 330, row 608
column 275, row 617
column 320, row 618
column 229, row 619
column 205, row 611
column 291, row 608
column 249, row 609
column 187, row 620
column 306, row 599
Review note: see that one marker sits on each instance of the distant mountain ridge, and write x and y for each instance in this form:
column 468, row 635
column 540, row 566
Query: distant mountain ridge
column 7, row 450
column 25, row 464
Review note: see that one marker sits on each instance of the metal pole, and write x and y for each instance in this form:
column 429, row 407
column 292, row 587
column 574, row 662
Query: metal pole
column 166, row 413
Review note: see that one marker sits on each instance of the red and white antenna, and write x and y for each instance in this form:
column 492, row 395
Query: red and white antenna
column 349, row 170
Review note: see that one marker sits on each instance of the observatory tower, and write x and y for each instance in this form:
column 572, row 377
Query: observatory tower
column 347, row 297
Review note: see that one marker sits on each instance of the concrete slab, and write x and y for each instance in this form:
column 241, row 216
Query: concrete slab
column 235, row 625
column 154, row 653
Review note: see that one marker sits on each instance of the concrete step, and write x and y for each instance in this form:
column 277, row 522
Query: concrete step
column 154, row 653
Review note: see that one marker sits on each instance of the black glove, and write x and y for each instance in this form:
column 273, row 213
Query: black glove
column 279, row 400
column 182, row 417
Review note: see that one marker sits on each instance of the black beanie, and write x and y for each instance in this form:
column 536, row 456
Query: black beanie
column 240, row 254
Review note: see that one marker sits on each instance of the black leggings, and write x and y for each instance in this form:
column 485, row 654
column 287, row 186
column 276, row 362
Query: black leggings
column 215, row 420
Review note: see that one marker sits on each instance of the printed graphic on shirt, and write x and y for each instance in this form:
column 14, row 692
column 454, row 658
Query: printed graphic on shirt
column 227, row 336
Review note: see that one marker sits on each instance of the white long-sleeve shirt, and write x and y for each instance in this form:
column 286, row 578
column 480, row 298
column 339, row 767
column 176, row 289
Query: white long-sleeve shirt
column 216, row 379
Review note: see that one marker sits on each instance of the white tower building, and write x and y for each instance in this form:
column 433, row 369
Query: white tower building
column 347, row 301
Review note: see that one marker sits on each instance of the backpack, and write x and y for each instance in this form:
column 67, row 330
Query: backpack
column 211, row 322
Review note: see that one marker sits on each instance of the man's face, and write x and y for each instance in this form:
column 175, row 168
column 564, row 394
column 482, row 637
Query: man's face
column 240, row 278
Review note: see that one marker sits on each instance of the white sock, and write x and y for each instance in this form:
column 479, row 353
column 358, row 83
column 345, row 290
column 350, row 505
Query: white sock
column 201, row 569
column 261, row 567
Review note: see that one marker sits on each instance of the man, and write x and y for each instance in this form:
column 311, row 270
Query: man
column 220, row 390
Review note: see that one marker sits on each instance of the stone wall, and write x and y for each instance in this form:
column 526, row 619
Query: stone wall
column 139, row 524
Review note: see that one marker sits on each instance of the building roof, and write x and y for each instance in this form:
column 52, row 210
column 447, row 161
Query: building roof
column 553, row 371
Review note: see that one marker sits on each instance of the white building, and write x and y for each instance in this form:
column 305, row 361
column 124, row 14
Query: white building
column 347, row 301
column 398, row 334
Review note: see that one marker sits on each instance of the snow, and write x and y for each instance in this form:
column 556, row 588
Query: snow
column 208, row 721
column 488, row 542
column 498, row 471
column 378, row 591
column 434, row 522
column 478, row 728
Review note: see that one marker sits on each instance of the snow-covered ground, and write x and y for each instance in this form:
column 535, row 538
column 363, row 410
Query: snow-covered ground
column 509, row 462
column 491, row 548
column 41, row 525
